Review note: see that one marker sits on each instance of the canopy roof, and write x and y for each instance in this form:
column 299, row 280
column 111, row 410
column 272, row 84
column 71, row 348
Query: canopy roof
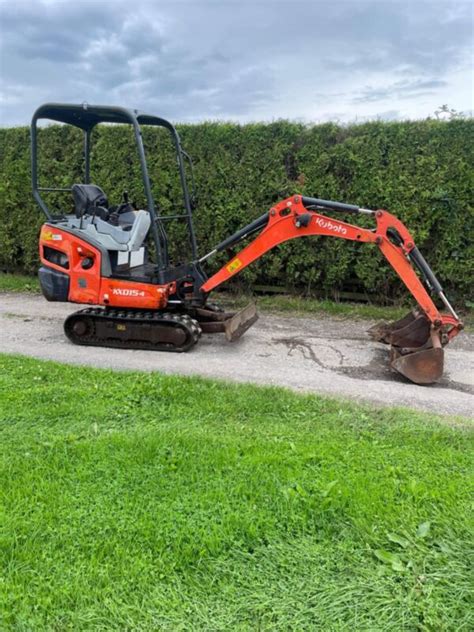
column 86, row 116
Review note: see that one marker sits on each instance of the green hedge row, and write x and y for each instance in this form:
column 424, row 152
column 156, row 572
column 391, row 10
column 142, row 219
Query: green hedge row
column 421, row 171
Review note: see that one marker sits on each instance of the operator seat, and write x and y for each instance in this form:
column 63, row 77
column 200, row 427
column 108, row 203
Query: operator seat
column 92, row 215
column 89, row 199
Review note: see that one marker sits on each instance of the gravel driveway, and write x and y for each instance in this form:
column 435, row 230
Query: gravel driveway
column 321, row 355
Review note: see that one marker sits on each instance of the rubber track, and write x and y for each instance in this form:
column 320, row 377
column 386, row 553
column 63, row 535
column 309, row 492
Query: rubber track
column 92, row 315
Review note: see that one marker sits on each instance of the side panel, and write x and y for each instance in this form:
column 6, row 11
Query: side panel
column 128, row 294
column 72, row 259
column 82, row 263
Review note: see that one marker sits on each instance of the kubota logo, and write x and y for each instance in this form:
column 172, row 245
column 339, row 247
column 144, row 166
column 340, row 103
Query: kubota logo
column 127, row 292
column 335, row 228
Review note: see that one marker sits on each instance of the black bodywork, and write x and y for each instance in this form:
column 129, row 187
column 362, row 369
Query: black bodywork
column 54, row 284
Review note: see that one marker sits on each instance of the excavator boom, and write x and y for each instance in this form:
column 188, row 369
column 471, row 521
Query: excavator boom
column 417, row 340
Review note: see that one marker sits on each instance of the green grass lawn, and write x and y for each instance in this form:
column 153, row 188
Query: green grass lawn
column 289, row 305
column 278, row 303
column 18, row 283
column 136, row 501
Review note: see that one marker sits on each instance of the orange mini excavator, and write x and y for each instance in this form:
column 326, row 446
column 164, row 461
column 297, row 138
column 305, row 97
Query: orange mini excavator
column 100, row 255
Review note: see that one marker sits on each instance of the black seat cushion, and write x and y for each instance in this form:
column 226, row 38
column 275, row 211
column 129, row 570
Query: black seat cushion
column 89, row 199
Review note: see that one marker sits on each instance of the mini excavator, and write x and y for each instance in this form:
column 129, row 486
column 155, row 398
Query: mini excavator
column 100, row 255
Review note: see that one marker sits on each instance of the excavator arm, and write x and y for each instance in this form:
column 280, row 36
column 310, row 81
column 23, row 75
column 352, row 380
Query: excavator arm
column 421, row 334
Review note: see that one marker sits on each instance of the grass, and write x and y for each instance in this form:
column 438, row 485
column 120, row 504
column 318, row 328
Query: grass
column 135, row 501
column 283, row 304
column 302, row 306
column 277, row 303
column 18, row 283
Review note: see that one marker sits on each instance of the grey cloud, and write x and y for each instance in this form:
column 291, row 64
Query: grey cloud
column 35, row 30
column 205, row 59
column 389, row 115
column 404, row 89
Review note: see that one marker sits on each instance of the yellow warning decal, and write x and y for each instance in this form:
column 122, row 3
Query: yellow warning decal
column 47, row 235
column 121, row 328
column 234, row 265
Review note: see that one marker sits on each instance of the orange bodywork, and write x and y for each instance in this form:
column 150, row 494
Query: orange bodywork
column 287, row 221
column 87, row 286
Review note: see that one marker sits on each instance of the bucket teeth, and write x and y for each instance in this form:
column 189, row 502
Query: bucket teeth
column 415, row 348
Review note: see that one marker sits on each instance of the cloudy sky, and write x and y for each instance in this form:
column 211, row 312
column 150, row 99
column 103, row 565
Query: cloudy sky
column 248, row 60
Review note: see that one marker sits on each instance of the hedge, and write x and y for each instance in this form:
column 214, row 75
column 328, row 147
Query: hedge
column 422, row 171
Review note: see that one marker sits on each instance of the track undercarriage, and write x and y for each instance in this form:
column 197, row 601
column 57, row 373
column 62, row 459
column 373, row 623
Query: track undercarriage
column 175, row 330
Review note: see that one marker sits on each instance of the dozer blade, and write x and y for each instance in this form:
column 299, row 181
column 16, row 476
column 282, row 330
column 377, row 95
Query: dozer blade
column 240, row 322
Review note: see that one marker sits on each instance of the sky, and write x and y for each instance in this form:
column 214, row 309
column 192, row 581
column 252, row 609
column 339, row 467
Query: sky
column 311, row 61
